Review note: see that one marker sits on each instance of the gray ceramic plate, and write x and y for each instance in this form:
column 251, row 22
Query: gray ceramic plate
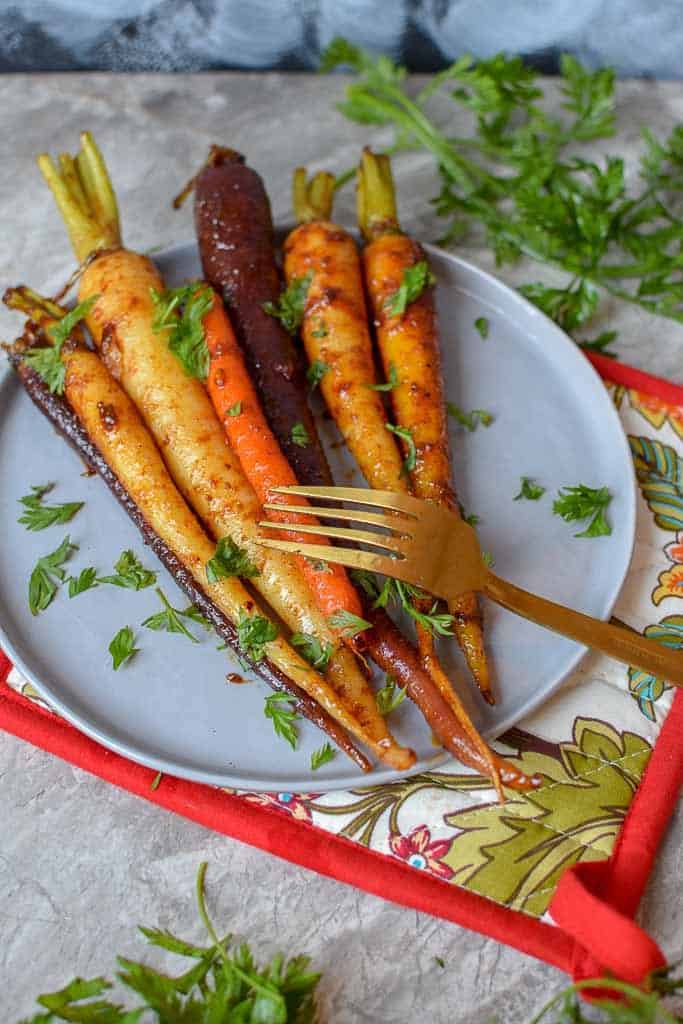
column 172, row 708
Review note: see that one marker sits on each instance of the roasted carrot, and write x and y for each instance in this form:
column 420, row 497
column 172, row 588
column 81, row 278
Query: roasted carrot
column 407, row 337
column 178, row 413
column 235, row 236
column 328, row 255
column 236, row 403
column 100, row 420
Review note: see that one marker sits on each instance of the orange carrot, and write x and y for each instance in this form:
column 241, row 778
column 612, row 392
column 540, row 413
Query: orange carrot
column 238, row 408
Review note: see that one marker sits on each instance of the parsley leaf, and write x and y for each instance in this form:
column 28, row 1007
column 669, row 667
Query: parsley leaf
column 278, row 708
column 253, row 633
column 86, row 580
column 488, row 559
column 348, row 624
column 299, row 435
column 315, row 652
column 48, row 569
column 47, row 362
column 410, row 460
column 322, row 755
column 409, row 597
column 582, row 502
column 600, row 344
column 315, row 373
column 235, row 410
column 482, row 325
column 321, row 330
column 529, row 490
column 181, row 312
column 392, row 383
column 389, row 696
column 38, row 516
column 170, row 619
column 289, row 308
column 122, row 647
column 229, row 559
column 415, row 280
column 469, row 420
column 129, row 572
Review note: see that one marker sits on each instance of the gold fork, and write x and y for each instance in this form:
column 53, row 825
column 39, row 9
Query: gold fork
column 431, row 548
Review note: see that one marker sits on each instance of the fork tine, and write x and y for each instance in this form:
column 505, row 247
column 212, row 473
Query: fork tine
column 346, row 556
column 362, row 496
column 395, row 523
column 377, row 540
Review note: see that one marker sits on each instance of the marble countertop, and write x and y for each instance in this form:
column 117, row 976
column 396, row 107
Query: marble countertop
column 81, row 862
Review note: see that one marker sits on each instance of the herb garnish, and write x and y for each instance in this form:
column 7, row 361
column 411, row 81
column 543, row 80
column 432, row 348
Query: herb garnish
column 299, row 435
column 389, row 696
column 253, row 633
column 410, row 460
column 521, row 176
column 321, row 330
column 42, row 586
column 392, row 383
column 129, row 572
column 38, row 516
column 315, row 652
column 122, row 647
column 469, row 420
column 235, row 409
column 181, row 312
column 529, row 490
column 229, row 559
column 278, row 708
column 407, row 597
column 170, row 619
column 47, row 362
column 289, row 308
column 582, row 502
column 600, row 344
column 348, row 624
column 482, row 325
column 86, row 580
column 415, row 280
column 322, row 755
column 315, row 373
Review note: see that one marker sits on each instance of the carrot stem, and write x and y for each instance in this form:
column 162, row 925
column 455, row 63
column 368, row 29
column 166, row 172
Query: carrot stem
column 312, row 200
column 376, row 196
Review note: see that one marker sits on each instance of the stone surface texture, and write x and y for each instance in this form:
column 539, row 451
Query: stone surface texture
column 81, row 862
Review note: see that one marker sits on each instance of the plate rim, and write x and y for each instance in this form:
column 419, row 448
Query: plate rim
column 379, row 775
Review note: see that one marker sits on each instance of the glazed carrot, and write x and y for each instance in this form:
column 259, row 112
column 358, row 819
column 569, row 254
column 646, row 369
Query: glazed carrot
column 236, row 403
column 99, row 419
column 179, row 414
column 407, row 338
column 335, row 334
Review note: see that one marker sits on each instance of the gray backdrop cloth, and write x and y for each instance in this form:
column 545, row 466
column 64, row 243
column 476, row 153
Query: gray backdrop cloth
column 638, row 37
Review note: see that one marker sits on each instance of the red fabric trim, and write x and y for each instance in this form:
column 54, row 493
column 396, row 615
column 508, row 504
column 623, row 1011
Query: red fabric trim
column 5, row 666
column 630, row 377
column 594, row 902
column 293, row 840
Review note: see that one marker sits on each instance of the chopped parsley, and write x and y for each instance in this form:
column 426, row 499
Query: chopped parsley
column 289, row 308
column 181, row 312
column 122, row 647
column 348, row 624
column 315, row 652
column 389, row 697
column 415, row 280
column 322, row 755
column 37, row 516
column 253, row 633
column 574, row 504
column 130, row 573
column 47, row 362
column 278, row 708
column 235, row 409
column 469, row 420
column 410, row 460
column 392, row 383
column 86, row 580
column 315, row 373
column 47, row 575
column 170, row 619
column 529, row 490
column 229, row 559
column 482, row 326
column 299, row 435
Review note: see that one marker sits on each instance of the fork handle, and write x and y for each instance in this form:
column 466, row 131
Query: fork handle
column 631, row 648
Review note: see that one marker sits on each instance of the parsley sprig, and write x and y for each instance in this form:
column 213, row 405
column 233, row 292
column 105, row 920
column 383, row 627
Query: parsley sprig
column 348, row 624
column 414, row 281
column 410, row 460
column 38, row 516
column 229, row 559
column 519, row 174
column 47, row 362
column 406, row 596
column 122, row 648
column 469, row 420
column 315, row 651
column 290, row 306
column 529, row 490
column 389, row 696
column 47, row 574
column 581, row 502
column 390, row 385
column 181, row 312
column 278, row 708
column 322, row 755
column 130, row 573
column 254, row 632
column 170, row 619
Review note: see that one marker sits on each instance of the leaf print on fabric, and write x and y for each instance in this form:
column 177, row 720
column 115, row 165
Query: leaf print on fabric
column 422, row 852
column 296, row 805
column 646, row 688
column 659, row 470
column 656, row 412
column 671, row 580
column 515, row 854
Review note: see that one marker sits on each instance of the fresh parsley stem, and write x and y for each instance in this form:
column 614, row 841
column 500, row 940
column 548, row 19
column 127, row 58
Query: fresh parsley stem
column 312, row 200
column 83, row 192
column 376, row 196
